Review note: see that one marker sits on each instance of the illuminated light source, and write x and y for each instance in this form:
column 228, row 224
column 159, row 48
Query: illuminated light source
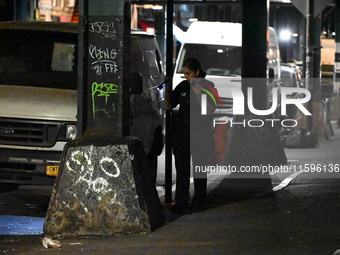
column 285, row 35
column 193, row 19
column 71, row 131
column 157, row 7
column 146, row 6
column 151, row 6
column 271, row 52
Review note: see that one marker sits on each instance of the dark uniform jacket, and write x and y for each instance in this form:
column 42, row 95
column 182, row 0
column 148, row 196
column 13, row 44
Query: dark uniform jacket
column 190, row 122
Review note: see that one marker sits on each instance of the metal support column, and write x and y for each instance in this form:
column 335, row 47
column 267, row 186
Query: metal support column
column 309, row 67
column 254, row 48
column 169, row 73
column 101, row 90
column 337, row 63
column 249, row 145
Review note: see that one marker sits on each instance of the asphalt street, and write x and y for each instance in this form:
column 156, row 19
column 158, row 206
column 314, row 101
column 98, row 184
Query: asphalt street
column 288, row 212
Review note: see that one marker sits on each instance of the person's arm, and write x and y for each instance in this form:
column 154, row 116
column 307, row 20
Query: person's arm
column 212, row 96
column 172, row 98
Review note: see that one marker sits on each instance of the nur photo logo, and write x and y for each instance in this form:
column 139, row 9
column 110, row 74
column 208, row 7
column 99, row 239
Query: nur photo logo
column 281, row 99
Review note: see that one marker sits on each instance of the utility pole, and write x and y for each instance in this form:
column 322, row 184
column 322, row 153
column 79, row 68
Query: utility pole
column 168, row 113
column 337, row 60
column 311, row 9
column 101, row 82
column 254, row 145
column 309, row 59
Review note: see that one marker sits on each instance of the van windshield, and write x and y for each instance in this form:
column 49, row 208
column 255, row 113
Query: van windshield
column 220, row 60
column 34, row 58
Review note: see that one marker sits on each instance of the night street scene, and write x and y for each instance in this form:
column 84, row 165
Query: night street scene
column 163, row 126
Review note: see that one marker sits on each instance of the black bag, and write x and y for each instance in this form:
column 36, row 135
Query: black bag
column 299, row 138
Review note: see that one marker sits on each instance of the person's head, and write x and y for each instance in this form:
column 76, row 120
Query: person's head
column 192, row 69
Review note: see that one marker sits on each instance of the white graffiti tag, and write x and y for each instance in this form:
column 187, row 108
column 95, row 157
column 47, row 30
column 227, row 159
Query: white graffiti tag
column 110, row 160
column 104, row 28
column 80, row 161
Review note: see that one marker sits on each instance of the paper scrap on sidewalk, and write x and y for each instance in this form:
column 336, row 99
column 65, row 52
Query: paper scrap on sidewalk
column 47, row 242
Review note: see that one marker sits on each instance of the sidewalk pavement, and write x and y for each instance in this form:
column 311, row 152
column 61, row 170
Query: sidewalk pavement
column 241, row 218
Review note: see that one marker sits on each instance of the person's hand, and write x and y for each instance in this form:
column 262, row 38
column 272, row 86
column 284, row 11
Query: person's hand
column 168, row 90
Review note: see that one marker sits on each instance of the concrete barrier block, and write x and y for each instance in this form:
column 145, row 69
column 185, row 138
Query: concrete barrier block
column 103, row 188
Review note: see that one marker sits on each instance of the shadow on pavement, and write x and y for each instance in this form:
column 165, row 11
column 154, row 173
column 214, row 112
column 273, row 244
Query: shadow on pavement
column 236, row 187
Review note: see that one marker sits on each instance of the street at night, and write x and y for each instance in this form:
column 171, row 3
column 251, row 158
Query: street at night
column 170, row 127
column 243, row 216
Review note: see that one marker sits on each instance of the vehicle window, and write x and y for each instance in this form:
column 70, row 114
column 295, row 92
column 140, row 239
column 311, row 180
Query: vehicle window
column 135, row 57
column 153, row 64
column 287, row 79
column 218, row 60
column 63, row 57
column 150, row 55
column 145, row 58
column 37, row 58
column 159, row 61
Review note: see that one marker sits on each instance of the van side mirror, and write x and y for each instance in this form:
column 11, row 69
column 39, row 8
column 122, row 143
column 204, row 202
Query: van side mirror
column 136, row 86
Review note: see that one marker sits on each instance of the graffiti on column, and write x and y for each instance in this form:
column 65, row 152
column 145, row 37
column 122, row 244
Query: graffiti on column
column 105, row 28
column 100, row 95
column 103, row 60
column 105, row 67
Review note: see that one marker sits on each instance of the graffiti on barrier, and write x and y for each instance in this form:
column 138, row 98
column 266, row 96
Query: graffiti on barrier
column 80, row 161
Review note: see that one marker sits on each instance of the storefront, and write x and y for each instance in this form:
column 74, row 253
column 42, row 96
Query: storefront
column 43, row 10
column 56, row 10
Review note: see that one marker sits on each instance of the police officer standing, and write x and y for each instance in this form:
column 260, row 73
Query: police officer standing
column 191, row 131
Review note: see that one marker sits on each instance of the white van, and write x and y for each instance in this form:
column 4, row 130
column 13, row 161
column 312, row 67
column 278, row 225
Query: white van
column 217, row 45
column 38, row 98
